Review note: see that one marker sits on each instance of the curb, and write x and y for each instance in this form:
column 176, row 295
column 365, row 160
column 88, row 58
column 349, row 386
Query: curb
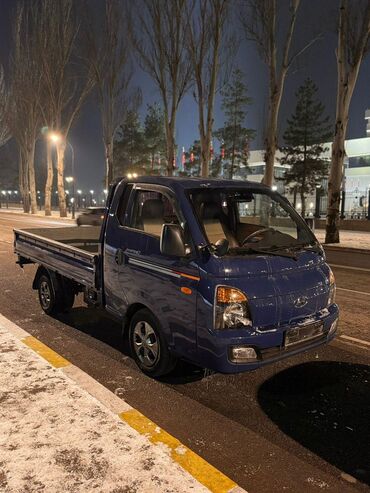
column 196, row 466
column 333, row 248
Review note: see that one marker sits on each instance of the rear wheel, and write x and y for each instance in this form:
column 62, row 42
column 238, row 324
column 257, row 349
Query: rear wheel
column 54, row 299
column 148, row 345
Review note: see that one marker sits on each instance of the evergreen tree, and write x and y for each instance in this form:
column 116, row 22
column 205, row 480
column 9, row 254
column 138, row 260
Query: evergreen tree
column 129, row 146
column 234, row 137
column 155, row 139
column 304, row 139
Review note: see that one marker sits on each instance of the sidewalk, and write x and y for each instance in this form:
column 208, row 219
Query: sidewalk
column 56, row 437
column 54, row 214
column 348, row 239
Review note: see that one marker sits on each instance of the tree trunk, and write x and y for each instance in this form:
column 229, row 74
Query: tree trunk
column 61, row 147
column 49, row 179
column 170, row 137
column 303, row 205
column 32, row 179
column 271, row 136
column 109, row 163
column 24, row 181
column 335, row 179
column 205, row 143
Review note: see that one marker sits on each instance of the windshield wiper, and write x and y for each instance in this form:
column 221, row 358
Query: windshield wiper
column 264, row 252
column 300, row 246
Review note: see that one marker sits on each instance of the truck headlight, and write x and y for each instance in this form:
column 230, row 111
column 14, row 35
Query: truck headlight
column 332, row 288
column 231, row 309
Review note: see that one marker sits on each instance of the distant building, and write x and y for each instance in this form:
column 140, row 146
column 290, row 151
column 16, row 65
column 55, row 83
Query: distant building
column 357, row 176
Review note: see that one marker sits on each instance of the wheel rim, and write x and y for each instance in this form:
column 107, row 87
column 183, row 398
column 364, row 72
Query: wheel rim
column 146, row 344
column 45, row 294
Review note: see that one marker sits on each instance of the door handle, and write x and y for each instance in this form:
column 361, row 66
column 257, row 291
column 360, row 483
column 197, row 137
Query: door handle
column 119, row 256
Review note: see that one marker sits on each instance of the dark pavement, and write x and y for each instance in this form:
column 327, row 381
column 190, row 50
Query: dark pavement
column 297, row 425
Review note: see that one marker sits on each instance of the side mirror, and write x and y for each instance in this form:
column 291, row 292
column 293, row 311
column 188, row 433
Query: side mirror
column 172, row 241
column 221, row 247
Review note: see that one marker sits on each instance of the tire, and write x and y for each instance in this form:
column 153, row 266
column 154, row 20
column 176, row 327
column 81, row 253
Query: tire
column 148, row 345
column 53, row 299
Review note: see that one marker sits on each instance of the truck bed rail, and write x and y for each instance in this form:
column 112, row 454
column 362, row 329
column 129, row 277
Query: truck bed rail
column 68, row 260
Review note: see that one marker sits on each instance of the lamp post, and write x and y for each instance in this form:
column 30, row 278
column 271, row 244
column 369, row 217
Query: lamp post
column 317, row 202
column 70, row 179
column 368, row 204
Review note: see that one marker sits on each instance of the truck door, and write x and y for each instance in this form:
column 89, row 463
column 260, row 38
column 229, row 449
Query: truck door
column 167, row 286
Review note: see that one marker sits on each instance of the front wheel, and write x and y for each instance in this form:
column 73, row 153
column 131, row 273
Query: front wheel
column 148, row 345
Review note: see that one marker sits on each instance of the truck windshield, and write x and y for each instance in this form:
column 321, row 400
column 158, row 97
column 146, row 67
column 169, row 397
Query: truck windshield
column 251, row 221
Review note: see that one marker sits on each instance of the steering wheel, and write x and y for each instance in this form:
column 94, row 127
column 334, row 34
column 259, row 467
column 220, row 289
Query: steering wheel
column 255, row 233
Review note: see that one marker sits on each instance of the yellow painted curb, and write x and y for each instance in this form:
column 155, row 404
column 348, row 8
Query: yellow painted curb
column 45, row 352
column 200, row 469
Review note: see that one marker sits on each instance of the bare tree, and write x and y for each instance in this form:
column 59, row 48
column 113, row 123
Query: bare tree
column 210, row 47
column 259, row 21
column 66, row 77
column 158, row 32
column 110, row 56
column 5, row 134
column 23, row 112
column 353, row 45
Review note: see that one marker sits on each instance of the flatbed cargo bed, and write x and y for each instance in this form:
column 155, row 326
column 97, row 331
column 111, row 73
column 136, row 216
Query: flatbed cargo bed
column 70, row 251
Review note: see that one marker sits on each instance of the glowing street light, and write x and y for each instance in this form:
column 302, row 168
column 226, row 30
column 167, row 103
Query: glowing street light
column 54, row 137
column 274, row 188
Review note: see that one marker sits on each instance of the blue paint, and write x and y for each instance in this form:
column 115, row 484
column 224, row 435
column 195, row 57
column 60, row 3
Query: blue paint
column 286, row 289
column 272, row 284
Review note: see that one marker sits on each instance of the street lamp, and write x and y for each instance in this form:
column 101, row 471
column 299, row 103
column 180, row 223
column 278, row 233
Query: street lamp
column 91, row 198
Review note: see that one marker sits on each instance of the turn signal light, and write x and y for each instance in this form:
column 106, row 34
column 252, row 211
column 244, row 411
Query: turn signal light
column 230, row 295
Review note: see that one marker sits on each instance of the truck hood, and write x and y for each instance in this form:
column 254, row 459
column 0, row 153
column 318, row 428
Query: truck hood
column 279, row 289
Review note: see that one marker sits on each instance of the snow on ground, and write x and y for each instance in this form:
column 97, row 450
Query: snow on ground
column 55, row 437
column 349, row 239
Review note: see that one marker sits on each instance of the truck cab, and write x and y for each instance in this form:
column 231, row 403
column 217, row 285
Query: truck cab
column 230, row 272
column 222, row 273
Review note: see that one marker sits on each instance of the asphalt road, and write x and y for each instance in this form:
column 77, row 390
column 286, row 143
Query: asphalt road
column 298, row 425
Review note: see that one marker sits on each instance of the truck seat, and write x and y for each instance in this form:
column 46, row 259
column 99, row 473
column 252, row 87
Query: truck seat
column 152, row 216
column 215, row 223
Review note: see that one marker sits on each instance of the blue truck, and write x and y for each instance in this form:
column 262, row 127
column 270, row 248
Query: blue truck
column 222, row 273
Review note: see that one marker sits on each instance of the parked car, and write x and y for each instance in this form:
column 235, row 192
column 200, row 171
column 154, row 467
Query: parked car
column 92, row 216
column 225, row 274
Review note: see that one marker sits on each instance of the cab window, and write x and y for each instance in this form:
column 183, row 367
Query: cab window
column 150, row 210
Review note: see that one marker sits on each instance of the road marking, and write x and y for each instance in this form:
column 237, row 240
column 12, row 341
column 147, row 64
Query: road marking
column 354, row 291
column 45, row 352
column 206, row 474
column 349, row 267
column 354, row 339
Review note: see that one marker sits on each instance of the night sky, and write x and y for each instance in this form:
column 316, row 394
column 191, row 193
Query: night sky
column 319, row 63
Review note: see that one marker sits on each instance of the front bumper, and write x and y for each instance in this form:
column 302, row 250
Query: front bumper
column 269, row 346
